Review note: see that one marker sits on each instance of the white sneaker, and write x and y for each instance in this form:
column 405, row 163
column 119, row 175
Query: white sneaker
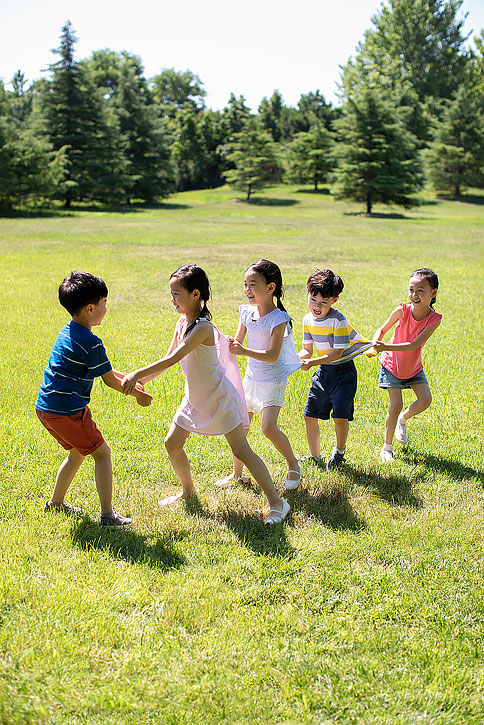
column 386, row 456
column 401, row 430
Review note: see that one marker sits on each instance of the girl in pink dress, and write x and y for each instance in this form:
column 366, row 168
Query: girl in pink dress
column 213, row 403
column 401, row 359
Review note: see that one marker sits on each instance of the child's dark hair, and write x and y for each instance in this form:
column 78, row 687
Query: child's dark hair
column 193, row 277
column 325, row 282
column 272, row 274
column 81, row 289
column 431, row 277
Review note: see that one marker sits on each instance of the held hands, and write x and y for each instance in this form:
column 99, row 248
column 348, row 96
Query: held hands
column 142, row 397
column 306, row 364
column 130, row 384
column 235, row 347
column 379, row 346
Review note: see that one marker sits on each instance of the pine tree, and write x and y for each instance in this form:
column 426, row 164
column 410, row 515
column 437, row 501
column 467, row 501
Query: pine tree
column 309, row 157
column 376, row 155
column 76, row 119
column 456, row 156
column 255, row 158
column 143, row 139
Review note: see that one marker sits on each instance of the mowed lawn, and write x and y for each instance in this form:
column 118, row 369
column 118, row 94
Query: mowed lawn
column 365, row 606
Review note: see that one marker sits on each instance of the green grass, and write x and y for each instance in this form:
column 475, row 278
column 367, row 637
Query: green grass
column 366, row 606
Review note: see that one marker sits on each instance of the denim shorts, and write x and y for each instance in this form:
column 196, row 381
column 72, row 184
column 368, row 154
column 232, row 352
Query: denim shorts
column 333, row 387
column 388, row 380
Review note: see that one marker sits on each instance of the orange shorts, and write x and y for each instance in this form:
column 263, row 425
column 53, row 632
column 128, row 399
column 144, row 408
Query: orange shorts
column 77, row 431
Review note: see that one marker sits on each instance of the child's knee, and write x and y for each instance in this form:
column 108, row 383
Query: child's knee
column 103, row 451
column 396, row 407
column 268, row 429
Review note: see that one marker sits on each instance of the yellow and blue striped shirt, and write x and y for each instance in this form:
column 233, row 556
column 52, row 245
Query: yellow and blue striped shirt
column 334, row 332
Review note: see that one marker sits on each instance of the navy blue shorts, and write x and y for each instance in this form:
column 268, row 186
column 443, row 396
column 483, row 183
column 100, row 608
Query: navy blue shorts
column 333, row 387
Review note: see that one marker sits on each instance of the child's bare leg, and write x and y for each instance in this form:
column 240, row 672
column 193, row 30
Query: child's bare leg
column 341, row 428
column 174, row 444
column 65, row 475
column 238, row 467
column 313, row 435
column 240, row 448
column 396, row 405
column 279, row 439
column 103, row 472
column 424, row 398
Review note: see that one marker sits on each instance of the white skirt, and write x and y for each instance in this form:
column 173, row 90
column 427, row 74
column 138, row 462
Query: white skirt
column 263, row 395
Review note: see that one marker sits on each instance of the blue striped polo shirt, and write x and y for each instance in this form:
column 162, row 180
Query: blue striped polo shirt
column 77, row 358
column 334, row 332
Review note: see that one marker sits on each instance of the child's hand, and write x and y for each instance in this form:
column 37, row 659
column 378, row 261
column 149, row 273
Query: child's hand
column 379, row 346
column 236, row 348
column 306, row 364
column 142, row 398
column 129, row 383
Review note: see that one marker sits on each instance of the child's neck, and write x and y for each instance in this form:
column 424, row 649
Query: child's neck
column 265, row 308
column 192, row 315
column 83, row 320
column 421, row 313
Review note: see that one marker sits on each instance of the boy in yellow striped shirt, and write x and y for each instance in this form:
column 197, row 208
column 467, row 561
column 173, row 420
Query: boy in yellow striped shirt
column 333, row 385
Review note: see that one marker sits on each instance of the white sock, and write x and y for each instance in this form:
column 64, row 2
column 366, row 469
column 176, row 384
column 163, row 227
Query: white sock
column 341, row 451
column 387, row 447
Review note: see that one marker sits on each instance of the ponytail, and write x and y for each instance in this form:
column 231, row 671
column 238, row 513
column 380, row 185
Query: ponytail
column 272, row 274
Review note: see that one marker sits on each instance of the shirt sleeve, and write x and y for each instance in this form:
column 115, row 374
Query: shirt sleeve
column 97, row 360
column 278, row 318
column 243, row 313
column 341, row 332
column 307, row 337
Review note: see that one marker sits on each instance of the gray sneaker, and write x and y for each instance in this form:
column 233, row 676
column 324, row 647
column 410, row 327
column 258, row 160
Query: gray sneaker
column 115, row 519
column 337, row 459
column 66, row 508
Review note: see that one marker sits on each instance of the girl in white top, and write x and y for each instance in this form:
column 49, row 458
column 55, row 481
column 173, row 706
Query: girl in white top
column 212, row 404
column 272, row 358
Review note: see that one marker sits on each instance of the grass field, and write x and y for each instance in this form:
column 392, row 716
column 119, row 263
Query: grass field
column 366, row 606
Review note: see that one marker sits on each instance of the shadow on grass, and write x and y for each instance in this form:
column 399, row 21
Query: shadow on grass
column 464, row 198
column 392, row 488
column 378, row 215
column 332, row 509
column 454, row 469
column 127, row 545
column 249, row 529
column 74, row 210
column 268, row 201
column 313, row 191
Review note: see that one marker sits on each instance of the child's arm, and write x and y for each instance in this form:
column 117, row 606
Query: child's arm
column 387, row 325
column 420, row 340
column 239, row 335
column 114, row 380
column 328, row 357
column 269, row 355
column 306, row 352
column 200, row 335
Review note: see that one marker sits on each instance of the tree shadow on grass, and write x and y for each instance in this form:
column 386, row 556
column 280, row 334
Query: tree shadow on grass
column 379, row 215
column 249, row 529
column 128, row 545
column 454, row 469
column 464, row 198
column 395, row 489
column 332, row 509
column 271, row 201
column 73, row 211
column 325, row 192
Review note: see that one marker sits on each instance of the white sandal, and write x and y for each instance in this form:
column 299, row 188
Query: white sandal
column 276, row 517
column 293, row 483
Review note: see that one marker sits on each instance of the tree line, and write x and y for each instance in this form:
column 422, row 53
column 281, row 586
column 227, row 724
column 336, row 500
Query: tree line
column 96, row 130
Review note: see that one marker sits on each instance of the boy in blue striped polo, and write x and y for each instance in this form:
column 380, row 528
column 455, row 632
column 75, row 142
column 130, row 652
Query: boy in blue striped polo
column 333, row 385
column 76, row 359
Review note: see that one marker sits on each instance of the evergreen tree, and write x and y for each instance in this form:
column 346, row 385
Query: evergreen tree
column 456, row 156
column 255, row 158
column 376, row 154
column 20, row 99
column 76, row 121
column 187, row 150
column 309, row 158
column 213, row 138
column 29, row 168
column 270, row 113
column 234, row 115
column 143, row 139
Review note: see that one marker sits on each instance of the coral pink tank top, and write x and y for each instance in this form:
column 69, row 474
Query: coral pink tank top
column 404, row 365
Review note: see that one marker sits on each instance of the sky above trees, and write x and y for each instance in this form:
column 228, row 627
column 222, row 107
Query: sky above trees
column 249, row 49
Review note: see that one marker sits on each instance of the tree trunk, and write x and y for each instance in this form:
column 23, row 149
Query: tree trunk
column 249, row 191
column 368, row 204
column 315, row 184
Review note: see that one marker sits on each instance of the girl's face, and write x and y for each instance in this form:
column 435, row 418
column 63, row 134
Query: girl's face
column 420, row 292
column 185, row 302
column 256, row 288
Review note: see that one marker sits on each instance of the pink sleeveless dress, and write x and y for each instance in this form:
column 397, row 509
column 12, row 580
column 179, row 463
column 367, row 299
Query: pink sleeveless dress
column 214, row 402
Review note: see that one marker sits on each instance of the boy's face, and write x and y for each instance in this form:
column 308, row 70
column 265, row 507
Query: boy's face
column 97, row 312
column 320, row 306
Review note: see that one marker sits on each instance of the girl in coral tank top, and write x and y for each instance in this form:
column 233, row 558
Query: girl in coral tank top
column 401, row 359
